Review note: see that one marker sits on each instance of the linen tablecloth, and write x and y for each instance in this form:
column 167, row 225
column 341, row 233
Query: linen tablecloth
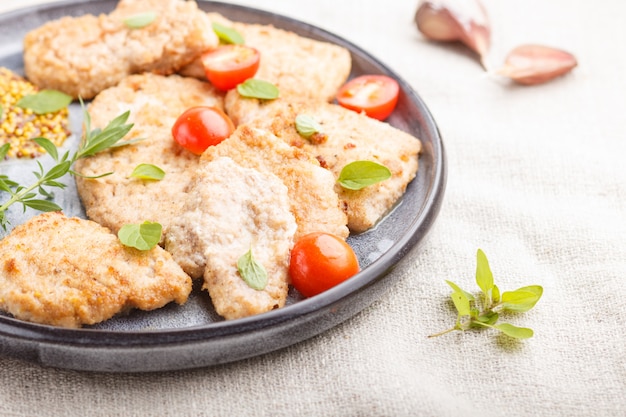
column 536, row 179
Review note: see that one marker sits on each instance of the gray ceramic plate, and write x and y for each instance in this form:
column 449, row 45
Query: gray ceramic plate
column 189, row 336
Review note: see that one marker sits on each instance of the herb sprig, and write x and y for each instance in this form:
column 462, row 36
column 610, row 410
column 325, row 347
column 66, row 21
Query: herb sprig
column 38, row 195
column 484, row 310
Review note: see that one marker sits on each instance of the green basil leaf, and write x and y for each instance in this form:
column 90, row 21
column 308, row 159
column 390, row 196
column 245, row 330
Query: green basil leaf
column 253, row 88
column 42, row 205
column 148, row 172
column 360, row 174
column 45, row 101
column 144, row 236
column 4, row 149
column 307, row 126
column 140, row 20
column 251, row 271
column 48, row 147
column 484, row 277
column 227, row 34
column 1, row 112
column 514, row 331
column 522, row 299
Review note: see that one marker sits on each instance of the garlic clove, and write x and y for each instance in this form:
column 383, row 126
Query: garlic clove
column 536, row 64
column 465, row 21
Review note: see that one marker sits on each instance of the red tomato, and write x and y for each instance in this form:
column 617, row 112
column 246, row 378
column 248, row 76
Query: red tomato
column 320, row 261
column 229, row 65
column 376, row 95
column 200, row 127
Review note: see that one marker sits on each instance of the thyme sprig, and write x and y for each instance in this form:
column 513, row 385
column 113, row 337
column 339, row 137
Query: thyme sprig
column 37, row 195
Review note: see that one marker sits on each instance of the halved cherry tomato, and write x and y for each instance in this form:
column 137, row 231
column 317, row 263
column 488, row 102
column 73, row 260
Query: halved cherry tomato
column 229, row 65
column 376, row 95
column 320, row 261
column 200, row 127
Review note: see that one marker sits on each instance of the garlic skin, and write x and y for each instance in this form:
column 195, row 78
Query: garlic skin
column 533, row 64
column 465, row 21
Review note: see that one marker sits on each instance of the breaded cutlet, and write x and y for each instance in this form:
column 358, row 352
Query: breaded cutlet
column 299, row 66
column 84, row 55
column 313, row 200
column 228, row 211
column 71, row 272
column 155, row 102
column 350, row 137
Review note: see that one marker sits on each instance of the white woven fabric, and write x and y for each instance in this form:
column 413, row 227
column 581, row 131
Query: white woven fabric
column 537, row 179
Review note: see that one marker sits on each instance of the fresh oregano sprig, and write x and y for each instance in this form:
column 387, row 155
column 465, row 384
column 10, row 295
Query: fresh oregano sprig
column 36, row 195
column 484, row 310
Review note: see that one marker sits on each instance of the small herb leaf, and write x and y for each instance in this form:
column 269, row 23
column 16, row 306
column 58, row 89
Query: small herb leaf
column 48, row 146
column 495, row 294
column 522, row 299
column 484, row 276
column 140, row 20
column 57, row 171
column 227, row 34
column 253, row 88
column 456, row 288
column 251, row 271
column 514, row 331
column 360, row 174
column 148, row 172
column 307, row 126
column 42, row 205
column 144, row 236
column 45, row 101
column 461, row 302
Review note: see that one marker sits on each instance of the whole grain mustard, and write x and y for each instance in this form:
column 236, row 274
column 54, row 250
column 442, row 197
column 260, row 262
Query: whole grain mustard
column 18, row 126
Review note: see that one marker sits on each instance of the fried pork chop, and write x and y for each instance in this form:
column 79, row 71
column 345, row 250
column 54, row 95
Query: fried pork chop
column 71, row 272
column 230, row 210
column 351, row 136
column 313, row 200
column 155, row 102
column 300, row 67
column 83, row 55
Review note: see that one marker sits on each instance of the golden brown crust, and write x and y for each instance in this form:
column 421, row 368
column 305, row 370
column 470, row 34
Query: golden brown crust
column 351, row 137
column 155, row 102
column 313, row 201
column 69, row 272
column 82, row 56
column 299, row 66
column 230, row 210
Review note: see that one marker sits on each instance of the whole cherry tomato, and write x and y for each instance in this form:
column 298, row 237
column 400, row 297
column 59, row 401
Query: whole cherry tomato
column 229, row 65
column 376, row 95
column 320, row 261
column 200, row 127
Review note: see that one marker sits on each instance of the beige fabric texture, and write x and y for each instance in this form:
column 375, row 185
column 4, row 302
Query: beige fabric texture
column 537, row 179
